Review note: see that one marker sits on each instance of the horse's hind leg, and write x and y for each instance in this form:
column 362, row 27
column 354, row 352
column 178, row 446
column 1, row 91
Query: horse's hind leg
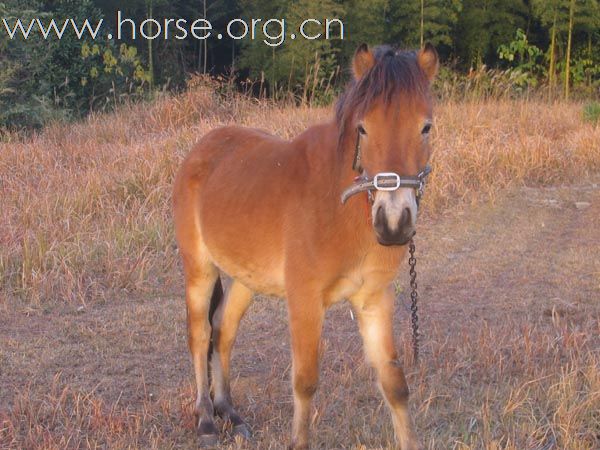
column 225, row 325
column 200, row 280
column 201, row 287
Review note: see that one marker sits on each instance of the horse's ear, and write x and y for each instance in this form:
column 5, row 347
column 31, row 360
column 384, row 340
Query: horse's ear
column 429, row 61
column 363, row 61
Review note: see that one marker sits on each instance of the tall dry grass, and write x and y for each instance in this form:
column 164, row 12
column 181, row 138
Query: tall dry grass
column 86, row 207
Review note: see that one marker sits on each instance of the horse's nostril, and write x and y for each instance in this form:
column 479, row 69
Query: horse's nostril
column 379, row 215
column 405, row 217
column 379, row 221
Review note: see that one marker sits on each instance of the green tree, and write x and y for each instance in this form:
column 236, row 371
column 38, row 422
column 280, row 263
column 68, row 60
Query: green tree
column 566, row 19
column 413, row 22
column 588, row 28
column 25, row 99
column 45, row 79
column 169, row 60
column 298, row 64
column 554, row 15
column 524, row 58
column 367, row 22
column 485, row 25
column 569, row 41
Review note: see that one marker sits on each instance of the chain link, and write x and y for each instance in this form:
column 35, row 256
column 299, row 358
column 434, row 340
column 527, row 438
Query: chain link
column 414, row 296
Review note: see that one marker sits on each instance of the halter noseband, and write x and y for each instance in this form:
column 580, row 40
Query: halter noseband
column 383, row 181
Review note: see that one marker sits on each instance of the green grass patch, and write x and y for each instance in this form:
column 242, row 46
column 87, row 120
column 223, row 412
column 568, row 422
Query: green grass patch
column 591, row 112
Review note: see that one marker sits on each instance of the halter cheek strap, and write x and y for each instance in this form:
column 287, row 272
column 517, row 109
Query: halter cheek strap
column 356, row 165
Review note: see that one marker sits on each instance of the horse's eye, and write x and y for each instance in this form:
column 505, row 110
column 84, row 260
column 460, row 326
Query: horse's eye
column 361, row 129
column 426, row 129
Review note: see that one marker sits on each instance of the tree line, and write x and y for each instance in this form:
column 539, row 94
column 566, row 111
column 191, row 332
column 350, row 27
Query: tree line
column 554, row 43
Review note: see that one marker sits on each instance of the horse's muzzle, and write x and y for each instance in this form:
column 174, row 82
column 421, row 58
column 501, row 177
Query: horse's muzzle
column 400, row 234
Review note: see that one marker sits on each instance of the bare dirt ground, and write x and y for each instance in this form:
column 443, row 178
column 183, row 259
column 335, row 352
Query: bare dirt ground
column 510, row 311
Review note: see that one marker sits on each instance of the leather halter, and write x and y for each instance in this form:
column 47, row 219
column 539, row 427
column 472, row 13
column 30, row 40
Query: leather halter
column 382, row 181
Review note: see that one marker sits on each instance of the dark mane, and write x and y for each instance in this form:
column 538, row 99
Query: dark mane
column 394, row 72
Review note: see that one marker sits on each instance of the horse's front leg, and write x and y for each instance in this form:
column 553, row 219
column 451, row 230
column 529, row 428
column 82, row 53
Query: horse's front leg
column 306, row 319
column 375, row 311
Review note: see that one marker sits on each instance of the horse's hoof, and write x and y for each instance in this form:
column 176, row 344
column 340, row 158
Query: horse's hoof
column 242, row 430
column 298, row 445
column 208, row 435
column 208, row 440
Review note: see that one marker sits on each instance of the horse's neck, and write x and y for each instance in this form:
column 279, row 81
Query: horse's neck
column 356, row 212
column 340, row 155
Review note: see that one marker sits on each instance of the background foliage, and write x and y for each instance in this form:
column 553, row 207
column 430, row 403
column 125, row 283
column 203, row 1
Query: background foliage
column 531, row 44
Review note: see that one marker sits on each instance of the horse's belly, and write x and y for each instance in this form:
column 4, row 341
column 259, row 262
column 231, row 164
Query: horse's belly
column 243, row 235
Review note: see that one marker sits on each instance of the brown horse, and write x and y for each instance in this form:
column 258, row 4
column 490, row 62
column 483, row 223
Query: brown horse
column 267, row 213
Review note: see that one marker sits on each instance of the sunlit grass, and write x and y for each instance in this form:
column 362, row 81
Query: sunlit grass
column 84, row 204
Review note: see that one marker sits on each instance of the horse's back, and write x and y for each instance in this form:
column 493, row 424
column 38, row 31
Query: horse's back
column 217, row 144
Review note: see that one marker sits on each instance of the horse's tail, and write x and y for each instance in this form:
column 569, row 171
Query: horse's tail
column 215, row 300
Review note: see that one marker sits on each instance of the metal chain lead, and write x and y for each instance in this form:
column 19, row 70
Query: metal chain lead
column 414, row 296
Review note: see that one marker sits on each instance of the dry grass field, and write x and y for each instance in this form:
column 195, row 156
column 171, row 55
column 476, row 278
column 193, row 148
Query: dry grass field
column 92, row 320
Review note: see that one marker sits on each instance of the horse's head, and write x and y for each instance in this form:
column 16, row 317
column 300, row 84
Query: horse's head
column 386, row 116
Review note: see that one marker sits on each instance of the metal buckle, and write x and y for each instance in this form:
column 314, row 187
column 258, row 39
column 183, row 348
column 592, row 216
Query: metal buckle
column 383, row 177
